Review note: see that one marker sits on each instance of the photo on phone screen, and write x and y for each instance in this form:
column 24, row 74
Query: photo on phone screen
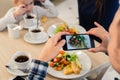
column 78, row 42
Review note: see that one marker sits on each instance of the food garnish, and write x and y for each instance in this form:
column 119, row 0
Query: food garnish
column 68, row 62
column 77, row 41
column 43, row 19
column 63, row 27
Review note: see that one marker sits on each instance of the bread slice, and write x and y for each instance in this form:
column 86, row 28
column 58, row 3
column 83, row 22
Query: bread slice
column 75, row 67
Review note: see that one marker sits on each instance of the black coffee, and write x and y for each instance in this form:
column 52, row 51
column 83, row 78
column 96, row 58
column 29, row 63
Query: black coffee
column 22, row 58
column 29, row 17
column 36, row 30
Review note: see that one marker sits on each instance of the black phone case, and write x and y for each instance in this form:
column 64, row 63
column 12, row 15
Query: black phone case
column 91, row 42
column 18, row 78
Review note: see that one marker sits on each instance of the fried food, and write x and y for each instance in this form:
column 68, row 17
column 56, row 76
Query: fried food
column 76, row 67
column 69, row 63
column 44, row 19
column 68, row 70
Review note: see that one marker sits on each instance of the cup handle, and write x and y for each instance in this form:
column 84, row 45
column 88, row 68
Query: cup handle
column 41, row 28
column 18, row 27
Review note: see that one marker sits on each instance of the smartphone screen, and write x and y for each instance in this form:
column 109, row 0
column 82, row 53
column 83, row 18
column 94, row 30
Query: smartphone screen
column 78, row 42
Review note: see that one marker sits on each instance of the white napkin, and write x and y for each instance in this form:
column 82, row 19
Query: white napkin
column 110, row 74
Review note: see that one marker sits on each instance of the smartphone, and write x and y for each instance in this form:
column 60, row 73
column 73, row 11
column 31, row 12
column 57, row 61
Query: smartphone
column 18, row 78
column 78, row 42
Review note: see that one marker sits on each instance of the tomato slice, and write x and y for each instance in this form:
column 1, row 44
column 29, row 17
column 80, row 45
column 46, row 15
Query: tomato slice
column 57, row 59
column 62, row 52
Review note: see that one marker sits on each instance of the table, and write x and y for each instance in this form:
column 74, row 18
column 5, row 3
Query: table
column 9, row 46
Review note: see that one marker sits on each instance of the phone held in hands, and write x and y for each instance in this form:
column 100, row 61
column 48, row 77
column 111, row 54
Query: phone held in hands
column 78, row 42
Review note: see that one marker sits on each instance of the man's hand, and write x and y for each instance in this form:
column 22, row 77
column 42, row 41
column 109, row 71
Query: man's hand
column 101, row 33
column 52, row 47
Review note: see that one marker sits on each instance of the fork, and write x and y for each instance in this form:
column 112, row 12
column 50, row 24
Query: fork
column 22, row 70
column 37, row 17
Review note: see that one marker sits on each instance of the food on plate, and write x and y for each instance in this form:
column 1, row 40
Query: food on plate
column 68, row 62
column 64, row 27
column 68, row 70
column 76, row 67
column 43, row 19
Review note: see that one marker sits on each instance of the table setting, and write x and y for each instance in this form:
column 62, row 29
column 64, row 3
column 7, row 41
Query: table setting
column 35, row 34
column 27, row 41
column 84, row 61
column 19, row 64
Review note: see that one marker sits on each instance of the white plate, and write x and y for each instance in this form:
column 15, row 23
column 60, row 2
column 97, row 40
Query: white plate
column 24, row 25
column 15, row 71
column 28, row 38
column 86, row 66
column 52, row 28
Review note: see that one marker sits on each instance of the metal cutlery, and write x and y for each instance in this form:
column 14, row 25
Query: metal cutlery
column 15, row 68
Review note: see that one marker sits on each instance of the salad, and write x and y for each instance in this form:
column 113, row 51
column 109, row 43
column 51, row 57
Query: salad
column 68, row 62
column 64, row 27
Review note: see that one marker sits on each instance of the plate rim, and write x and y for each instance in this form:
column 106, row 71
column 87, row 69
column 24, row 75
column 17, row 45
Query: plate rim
column 43, row 41
column 55, row 25
column 12, row 72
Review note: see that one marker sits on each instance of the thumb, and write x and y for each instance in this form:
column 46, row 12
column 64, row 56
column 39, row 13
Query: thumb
column 60, row 44
column 94, row 50
column 97, row 49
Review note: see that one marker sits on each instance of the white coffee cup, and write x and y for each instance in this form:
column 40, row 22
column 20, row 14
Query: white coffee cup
column 30, row 19
column 36, row 33
column 13, row 30
column 21, row 59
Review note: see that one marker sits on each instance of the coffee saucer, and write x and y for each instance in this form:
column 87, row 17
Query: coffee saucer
column 25, row 26
column 43, row 38
column 15, row 71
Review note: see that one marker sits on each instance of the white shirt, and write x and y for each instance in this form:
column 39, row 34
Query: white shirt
column 110, row 74
column 50, row 11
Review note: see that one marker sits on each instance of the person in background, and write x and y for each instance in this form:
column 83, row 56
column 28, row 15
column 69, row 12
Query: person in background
column 22, row 7
column 101, row 11
column 38, row 2
column 111, row 44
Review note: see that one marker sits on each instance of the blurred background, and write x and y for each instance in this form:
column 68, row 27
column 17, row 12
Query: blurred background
column 68, row 9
